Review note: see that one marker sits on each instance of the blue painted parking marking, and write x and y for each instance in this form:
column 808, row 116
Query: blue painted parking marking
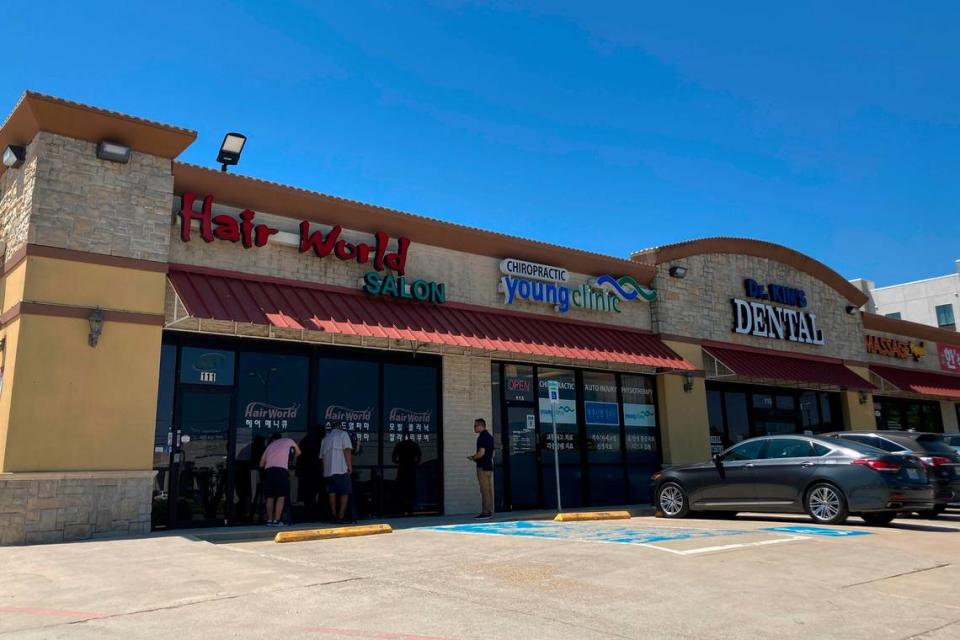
column 585, row 532
column 821, row 531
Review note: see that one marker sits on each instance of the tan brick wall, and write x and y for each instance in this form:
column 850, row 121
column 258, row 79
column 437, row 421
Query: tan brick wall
column 469, row 278
column 87, row 204
column 466, row 396
column 699, row 305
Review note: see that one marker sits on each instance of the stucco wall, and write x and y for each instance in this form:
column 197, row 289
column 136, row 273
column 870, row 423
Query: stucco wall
column 699, row 305
column 917, row 301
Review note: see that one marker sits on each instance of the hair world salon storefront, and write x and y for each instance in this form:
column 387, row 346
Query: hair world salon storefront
column 161, row 321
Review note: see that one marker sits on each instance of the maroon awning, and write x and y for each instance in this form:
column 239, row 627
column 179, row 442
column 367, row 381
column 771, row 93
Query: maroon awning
column 776, row 366
column 293, row 305
column 918, row 381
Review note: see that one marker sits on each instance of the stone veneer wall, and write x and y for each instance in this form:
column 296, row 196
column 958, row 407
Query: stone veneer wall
column 699, row 305
column 86, row 204
column 60, row 507
column 16, row 201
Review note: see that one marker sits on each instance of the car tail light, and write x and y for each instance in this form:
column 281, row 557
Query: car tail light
column 936, row 461
column 878, row 465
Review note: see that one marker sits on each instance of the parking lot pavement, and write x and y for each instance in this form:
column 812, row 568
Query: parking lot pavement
column 749, row 577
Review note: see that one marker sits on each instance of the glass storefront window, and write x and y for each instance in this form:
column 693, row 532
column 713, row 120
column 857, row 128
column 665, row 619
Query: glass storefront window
column 640, row 432
column 163, row 434
column 715, row 419
column 496, row 395
column 601, row 413
column 568, row 437
column 411, row 439
column 348, row 396
column 206, row 366
column 518, row 382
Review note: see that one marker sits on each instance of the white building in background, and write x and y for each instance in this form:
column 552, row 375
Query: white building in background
column 932, row 301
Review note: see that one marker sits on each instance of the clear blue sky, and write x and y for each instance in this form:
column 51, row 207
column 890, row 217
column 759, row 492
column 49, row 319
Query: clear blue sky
column 832, row 128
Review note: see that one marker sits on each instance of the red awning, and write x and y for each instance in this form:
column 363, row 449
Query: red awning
column 774, row 366
column 918, row 381
column 250, row 299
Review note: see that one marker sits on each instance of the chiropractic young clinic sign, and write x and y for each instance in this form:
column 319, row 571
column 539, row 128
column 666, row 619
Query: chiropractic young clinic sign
column 778, row 322
column 539, row 283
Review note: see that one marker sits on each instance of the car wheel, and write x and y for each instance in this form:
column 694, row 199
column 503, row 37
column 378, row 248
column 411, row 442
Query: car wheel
column 672, row 500
column 879, row 518
column 826, row 504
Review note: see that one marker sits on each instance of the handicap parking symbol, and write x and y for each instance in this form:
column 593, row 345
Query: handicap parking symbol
column 821, row 531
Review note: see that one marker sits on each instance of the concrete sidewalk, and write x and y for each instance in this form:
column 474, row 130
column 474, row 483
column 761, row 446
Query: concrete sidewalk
column 245, row 533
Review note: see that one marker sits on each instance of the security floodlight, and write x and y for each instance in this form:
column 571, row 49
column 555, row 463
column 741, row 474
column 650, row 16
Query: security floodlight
column 113, row 151
column 13, row 156
column 678, row 272
column 230, row 150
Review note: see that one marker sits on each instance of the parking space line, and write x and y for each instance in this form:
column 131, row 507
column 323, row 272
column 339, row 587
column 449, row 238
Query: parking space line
column 742, row 545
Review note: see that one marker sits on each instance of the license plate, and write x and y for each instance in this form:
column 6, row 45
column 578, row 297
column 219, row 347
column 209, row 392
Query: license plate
column 913, row 474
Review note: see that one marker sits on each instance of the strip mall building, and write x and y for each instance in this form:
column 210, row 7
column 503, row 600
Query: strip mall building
column 161, row 320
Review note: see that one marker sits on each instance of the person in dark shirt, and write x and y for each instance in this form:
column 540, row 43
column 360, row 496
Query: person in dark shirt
column 407, row 456
column 484, row 459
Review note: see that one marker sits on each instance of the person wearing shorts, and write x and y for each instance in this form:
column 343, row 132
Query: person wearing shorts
column 337, row 453
column 276, row 476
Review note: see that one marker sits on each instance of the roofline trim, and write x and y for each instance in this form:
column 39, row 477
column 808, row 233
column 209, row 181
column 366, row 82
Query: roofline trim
column 757, row 249
column 268, row 197
column 877, row 322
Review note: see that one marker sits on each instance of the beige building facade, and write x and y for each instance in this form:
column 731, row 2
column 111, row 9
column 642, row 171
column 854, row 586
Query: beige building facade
column 162, row 321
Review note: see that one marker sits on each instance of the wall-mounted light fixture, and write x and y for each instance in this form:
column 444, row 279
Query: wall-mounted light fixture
column 113, row 151
column 13, row 156
column 688, row 382
column 678, row 271
column 230, row 150
column 96, row 326
column 852, row 310
column 862, row 396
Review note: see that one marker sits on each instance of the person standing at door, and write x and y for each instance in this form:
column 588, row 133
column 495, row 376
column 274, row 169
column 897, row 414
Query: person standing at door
column 484, row 459
column 337, row 453
column 276, row 470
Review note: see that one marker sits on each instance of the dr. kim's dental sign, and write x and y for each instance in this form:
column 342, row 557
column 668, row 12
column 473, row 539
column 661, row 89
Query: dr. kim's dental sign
column 756, row 318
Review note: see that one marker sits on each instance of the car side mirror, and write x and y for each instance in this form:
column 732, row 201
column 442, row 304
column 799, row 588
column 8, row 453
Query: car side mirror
column 716, row 460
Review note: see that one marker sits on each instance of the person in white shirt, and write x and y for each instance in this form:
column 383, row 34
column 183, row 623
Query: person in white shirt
column 337, row 453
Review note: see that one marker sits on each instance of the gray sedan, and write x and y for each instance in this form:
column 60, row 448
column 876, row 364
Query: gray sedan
column 824, row 478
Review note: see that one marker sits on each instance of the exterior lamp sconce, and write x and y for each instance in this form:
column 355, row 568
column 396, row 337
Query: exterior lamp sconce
column 96, row 326
column 852, row 310
column 13, row 156
column 677, row 271
column 688, row 382
column 862, row 396
column 230, row 150
column 113, row 151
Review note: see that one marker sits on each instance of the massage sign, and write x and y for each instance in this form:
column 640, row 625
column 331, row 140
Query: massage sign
column 777, row 312
column 387, row 258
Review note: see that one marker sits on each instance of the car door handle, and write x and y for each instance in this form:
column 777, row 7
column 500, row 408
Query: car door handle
column 808, row 464
column 749, row 465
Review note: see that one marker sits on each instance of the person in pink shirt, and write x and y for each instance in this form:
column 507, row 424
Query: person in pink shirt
column 276, row 480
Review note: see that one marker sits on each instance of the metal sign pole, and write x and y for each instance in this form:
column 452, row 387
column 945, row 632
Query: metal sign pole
column 556, row 456
column 553, row 389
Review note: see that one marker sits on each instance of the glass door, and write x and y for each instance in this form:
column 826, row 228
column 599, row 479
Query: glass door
column 524, row 471
column 199, row 458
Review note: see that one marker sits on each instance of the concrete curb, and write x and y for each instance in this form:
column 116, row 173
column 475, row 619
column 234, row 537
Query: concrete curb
column 326, row 534
column 592, row 515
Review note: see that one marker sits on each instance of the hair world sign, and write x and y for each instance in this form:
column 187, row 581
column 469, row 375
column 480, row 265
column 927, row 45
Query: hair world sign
column 244, row 231
column 760, row 318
